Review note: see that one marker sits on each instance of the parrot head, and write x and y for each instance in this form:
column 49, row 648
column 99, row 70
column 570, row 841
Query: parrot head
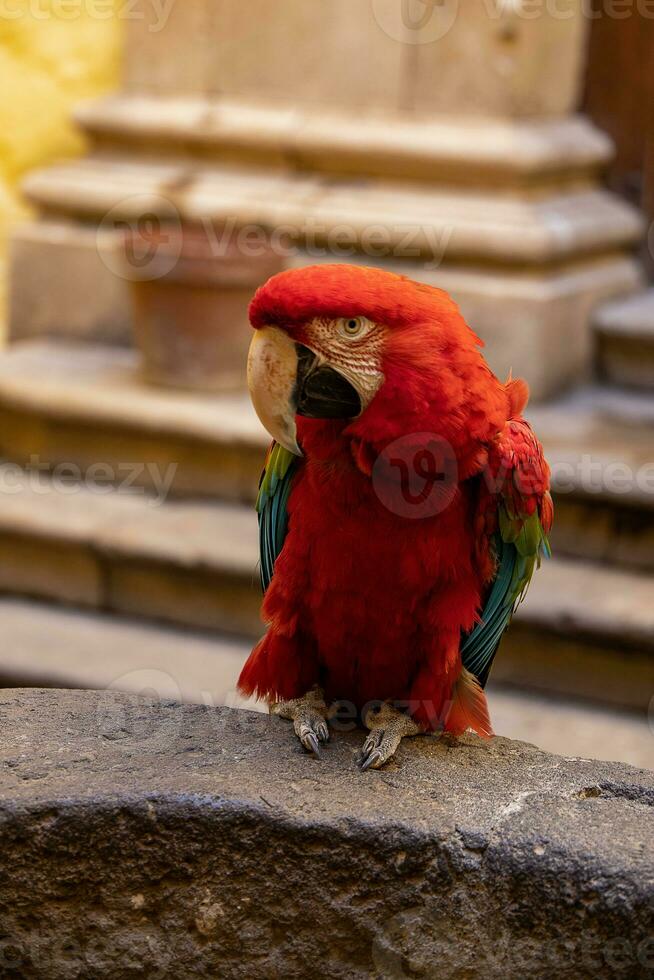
column 372, row 353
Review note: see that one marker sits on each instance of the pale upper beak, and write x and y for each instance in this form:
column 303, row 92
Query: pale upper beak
column 288, row 379
column 272, row 373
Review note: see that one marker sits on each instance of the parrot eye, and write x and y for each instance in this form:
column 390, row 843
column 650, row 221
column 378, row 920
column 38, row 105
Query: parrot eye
column 353, row 326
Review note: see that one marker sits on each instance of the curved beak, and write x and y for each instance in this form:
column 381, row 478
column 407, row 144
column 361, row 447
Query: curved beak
column 272, row 373
column 288, row 379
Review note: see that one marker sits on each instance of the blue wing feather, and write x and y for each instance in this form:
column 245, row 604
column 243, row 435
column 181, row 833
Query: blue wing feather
column 479, row 647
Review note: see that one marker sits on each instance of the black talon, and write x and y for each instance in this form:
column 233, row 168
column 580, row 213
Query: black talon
column 310, row 743
column 323, row 732
column 372, row 758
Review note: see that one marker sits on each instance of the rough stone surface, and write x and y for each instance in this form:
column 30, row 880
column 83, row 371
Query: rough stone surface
column 149, row 838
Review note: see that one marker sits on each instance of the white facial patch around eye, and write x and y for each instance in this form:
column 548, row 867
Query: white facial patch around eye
column 358, row 357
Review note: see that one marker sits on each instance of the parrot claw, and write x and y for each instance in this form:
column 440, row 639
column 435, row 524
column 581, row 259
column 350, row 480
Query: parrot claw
column 388, row 727
column 308, row 716
column 308, row 738
column 372, row 761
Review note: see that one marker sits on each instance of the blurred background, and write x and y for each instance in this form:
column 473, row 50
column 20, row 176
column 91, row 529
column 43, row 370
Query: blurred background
column 161, row 158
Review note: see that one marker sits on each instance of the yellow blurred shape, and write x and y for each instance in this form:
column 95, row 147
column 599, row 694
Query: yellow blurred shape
column 53, row 54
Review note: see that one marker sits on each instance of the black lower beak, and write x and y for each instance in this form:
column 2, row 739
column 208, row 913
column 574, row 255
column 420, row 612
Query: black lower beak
column 321, row 392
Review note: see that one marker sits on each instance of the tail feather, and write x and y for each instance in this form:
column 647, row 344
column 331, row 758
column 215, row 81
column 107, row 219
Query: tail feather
column 518, row 392
column 469, row 707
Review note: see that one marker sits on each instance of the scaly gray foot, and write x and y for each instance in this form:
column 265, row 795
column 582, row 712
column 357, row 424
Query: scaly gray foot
column 388, row 726
column 308, row 715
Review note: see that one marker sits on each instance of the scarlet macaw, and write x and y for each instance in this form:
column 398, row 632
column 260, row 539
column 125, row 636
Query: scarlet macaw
column 364, row 377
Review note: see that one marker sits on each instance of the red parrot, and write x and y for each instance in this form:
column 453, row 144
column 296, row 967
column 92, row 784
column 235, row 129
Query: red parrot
column 403, row 506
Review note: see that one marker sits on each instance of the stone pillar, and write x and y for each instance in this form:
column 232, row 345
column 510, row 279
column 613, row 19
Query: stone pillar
column 438, row 139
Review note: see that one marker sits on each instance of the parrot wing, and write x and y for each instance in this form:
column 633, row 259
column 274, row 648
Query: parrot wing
column 274, row 490
column 513, row 519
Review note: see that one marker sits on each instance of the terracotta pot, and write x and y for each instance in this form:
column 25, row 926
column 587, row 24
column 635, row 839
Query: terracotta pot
column 190, row 295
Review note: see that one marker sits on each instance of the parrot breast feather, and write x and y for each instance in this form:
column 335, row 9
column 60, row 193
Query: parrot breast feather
column 514, row 516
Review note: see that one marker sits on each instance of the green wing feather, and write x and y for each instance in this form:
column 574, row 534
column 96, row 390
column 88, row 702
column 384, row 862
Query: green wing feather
column 274, row 490
column 519, row 546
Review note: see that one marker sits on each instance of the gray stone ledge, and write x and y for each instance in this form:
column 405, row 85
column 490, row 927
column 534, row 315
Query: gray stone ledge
column 159, row 840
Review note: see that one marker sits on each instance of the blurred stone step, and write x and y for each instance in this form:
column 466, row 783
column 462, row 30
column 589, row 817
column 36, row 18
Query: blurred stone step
column 64, row 280
column 465, row 150
column 86, row 409
column 625, row 341
column 47, row 646
column 527, row 268
column 571, row 728
column 599, row 444
column 193, row 564
column 584, row 629
column 465, row 223
column 60, row 404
